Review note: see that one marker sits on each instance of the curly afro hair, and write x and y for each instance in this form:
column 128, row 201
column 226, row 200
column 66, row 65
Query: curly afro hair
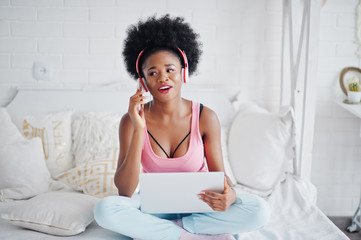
column 165, row 33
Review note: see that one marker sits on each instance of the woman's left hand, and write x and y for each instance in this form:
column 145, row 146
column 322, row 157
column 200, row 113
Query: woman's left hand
column 219, row 201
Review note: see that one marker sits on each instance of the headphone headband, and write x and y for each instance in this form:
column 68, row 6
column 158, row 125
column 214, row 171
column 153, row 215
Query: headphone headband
column 137, row 63
column 183, row 54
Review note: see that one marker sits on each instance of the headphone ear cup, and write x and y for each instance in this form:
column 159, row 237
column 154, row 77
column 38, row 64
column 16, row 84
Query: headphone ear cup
column 185, row 75
column 144, row 84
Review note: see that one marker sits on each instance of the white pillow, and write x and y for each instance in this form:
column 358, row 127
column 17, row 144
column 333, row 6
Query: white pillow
column 95, row 177
column 57, row 213
column 260, row 148
column 9, row 132
column 23, row 173
column 227, row 165
column 55, row 133
column 94, row 134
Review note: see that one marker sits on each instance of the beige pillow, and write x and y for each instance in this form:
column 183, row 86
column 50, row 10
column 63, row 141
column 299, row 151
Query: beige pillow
column 23, row 173
column 55, row 133
column 227, row 166
column 261, row 147
column 57, row 213
column 95, row 177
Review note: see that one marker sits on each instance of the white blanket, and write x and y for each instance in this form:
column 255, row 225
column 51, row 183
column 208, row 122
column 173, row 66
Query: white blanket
column 294, row 216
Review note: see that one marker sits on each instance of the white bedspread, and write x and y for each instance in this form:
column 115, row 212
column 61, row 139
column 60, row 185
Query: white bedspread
column 294, row 216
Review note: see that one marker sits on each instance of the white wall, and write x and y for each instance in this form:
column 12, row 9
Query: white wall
column 82, row 40
column 337, row 143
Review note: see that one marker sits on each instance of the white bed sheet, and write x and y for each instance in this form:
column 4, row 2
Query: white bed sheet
column 294, row 217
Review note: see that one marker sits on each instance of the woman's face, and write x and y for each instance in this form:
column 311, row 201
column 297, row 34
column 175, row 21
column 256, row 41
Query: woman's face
column 162, row 71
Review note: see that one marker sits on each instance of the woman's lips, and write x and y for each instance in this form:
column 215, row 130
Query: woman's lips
column 164, row 88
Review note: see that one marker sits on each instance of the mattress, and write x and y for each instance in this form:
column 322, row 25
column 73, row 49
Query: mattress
column 294, row 216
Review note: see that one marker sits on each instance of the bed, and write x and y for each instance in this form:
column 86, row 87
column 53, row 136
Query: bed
column 267, row 172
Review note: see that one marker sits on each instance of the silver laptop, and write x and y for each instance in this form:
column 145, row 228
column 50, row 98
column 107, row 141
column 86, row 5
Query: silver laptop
column 177, row 192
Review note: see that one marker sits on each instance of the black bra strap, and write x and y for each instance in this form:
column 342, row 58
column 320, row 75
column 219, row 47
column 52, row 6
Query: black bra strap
column 171, row 156
column 180, row 144
column 158, row 144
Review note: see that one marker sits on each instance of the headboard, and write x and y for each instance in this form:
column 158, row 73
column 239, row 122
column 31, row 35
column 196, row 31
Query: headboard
column 40, row 102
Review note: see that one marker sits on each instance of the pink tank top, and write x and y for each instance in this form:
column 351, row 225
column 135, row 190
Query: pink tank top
column 192, row 161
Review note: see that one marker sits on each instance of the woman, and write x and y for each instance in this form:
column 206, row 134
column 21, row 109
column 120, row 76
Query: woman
column 171, row 134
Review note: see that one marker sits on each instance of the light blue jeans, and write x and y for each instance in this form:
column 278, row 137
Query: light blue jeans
column 123, row 215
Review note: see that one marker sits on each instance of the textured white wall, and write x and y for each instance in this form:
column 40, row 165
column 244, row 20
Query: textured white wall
column 336, row 169
column 82, row 40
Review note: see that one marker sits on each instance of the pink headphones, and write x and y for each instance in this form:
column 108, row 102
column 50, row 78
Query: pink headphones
column 185, row 73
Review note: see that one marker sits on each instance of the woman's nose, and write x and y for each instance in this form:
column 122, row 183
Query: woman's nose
column 163, row 76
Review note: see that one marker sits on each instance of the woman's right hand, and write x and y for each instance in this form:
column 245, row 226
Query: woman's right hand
column 137, row 116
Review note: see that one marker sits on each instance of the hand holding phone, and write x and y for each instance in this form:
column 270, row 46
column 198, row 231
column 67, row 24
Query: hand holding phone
column 136, row 108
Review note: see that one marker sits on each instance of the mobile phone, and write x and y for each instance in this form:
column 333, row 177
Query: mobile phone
column 145, row 93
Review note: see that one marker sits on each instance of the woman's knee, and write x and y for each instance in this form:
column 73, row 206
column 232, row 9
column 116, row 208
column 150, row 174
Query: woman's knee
column 102, row 208
column 262, row 212
column 255, row 211
column 105, row 208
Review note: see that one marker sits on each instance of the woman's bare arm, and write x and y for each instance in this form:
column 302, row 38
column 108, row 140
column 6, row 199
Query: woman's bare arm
column 130, row 149
column 131, row 133
column 211, row 132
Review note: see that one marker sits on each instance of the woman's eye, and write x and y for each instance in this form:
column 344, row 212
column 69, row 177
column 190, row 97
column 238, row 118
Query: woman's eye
column 170, row 70
column 152, row 73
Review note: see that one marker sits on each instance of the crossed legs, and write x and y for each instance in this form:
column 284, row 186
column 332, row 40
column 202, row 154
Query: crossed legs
column 123, row 215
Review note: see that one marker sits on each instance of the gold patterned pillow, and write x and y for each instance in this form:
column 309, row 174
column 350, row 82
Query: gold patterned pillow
column 94, row 177
column 55, row 133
